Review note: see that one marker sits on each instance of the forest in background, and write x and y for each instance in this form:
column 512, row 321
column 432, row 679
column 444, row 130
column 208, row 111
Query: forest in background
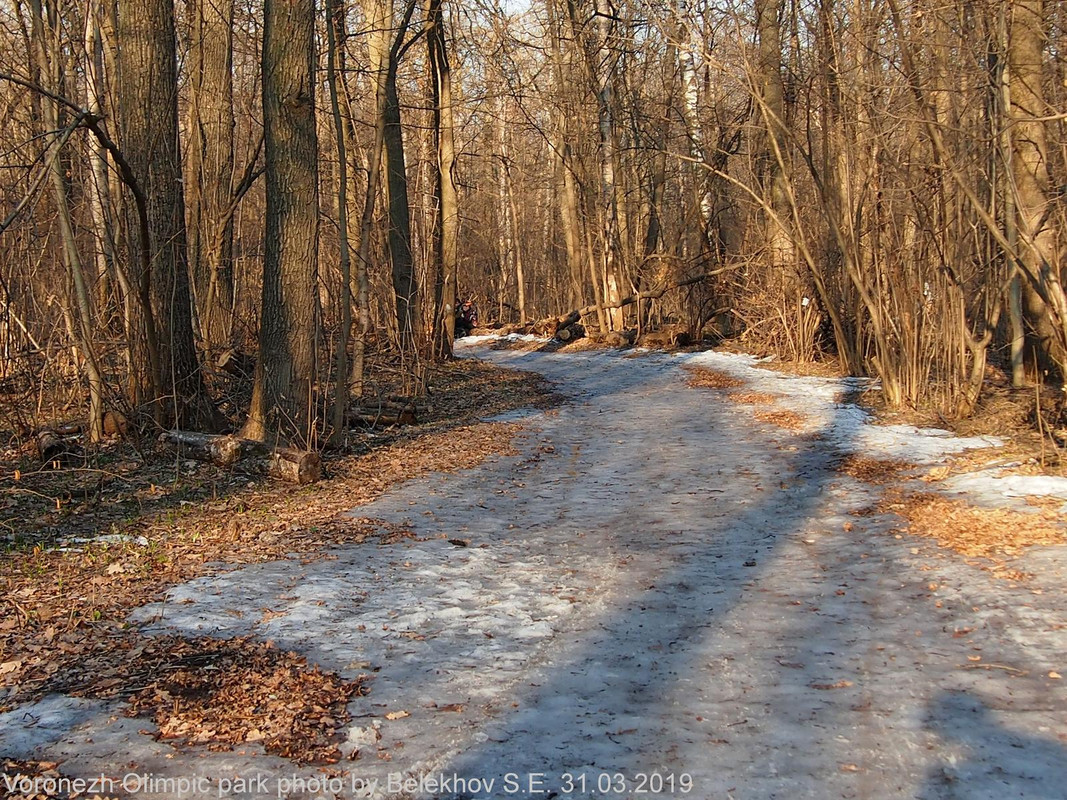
column 215, row 214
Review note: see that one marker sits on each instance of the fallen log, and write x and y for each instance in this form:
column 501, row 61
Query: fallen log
column 624, row 338
column 53, row 445
column 375, row 419
column 570, row 333
column 555, row 324
column 372, row 413
column 284, row 463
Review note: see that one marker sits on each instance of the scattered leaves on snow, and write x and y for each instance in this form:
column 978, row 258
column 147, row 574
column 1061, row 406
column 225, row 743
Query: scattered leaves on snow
column 57, row 603
column 787, row 420
column 208, row 691
column 752, row 398
column 705, row 378
column 994, row 533
column 873, row 470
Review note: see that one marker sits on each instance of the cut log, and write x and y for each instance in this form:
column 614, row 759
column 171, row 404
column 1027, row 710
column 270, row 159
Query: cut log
column 54, row 446
column 570, row 333
column 383, row 418
column 553, row 325
column 285, row 463
column 295, row 466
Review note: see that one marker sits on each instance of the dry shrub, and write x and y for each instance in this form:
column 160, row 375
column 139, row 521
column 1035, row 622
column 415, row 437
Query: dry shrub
column 752, row 398
column 873, row 470
column 973, row 531
column 787, row 420
column 704, row 378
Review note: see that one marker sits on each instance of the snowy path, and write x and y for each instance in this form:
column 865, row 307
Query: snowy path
column 658, row 585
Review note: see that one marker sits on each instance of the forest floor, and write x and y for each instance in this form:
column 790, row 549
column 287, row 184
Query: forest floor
column 696, row 577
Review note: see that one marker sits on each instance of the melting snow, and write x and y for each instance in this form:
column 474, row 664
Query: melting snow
column 656, row 585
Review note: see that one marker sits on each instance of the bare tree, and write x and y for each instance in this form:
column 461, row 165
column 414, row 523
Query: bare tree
column 282, row 398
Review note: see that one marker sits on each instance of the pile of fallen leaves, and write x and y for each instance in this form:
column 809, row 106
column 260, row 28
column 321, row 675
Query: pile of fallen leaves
column 208, row 691
column 222, row 693
column 787, row 420
column 876, row 471
column 704, row 378
column 993, row 533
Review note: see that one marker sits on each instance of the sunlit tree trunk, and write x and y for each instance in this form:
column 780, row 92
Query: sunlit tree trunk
column 282, row 396
column 148, row 120
column 210, row 165
column 446, row 240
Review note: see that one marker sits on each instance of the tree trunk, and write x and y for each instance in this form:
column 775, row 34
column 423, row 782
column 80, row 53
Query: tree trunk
column 446, row 239
column 603, row 68
column 772, row 111
column 286, row 369
column 335, row 28
column 405, row 285
column 209, row 173
column 1035, row 223
column 148, row 117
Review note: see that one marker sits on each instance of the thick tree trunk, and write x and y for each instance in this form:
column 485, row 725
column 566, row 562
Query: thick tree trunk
column 282, row 396
column 1035, row 223
column 772, row 112
column 210, row 165
column 603, row 68
column 405, row 285
column 335, row 29
column 148, row 117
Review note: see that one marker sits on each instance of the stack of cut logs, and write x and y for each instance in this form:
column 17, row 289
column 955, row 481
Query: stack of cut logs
column 377, row 412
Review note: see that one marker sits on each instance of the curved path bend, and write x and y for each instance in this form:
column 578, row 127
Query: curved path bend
column 660, row 596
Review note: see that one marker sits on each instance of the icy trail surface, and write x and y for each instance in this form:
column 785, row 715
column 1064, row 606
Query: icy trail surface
column 660, row 596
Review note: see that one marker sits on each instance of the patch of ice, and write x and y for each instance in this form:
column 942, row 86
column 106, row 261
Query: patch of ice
column 30, row 727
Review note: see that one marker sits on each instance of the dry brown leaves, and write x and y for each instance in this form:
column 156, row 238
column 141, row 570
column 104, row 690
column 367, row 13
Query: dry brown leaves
column 819, row 369
column 704, row 378
column 873, row 470
column 40, row 780
column 752, row 398
column 973, row 531
column 787, row 420
column 208, row 691
column 56, row 603
column 224, row 693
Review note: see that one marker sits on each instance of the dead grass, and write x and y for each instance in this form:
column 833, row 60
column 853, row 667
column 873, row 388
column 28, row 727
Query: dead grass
column 875, row 471
column 704, row 378
column 787, row 420
column 752, row 398
column 995, row 534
